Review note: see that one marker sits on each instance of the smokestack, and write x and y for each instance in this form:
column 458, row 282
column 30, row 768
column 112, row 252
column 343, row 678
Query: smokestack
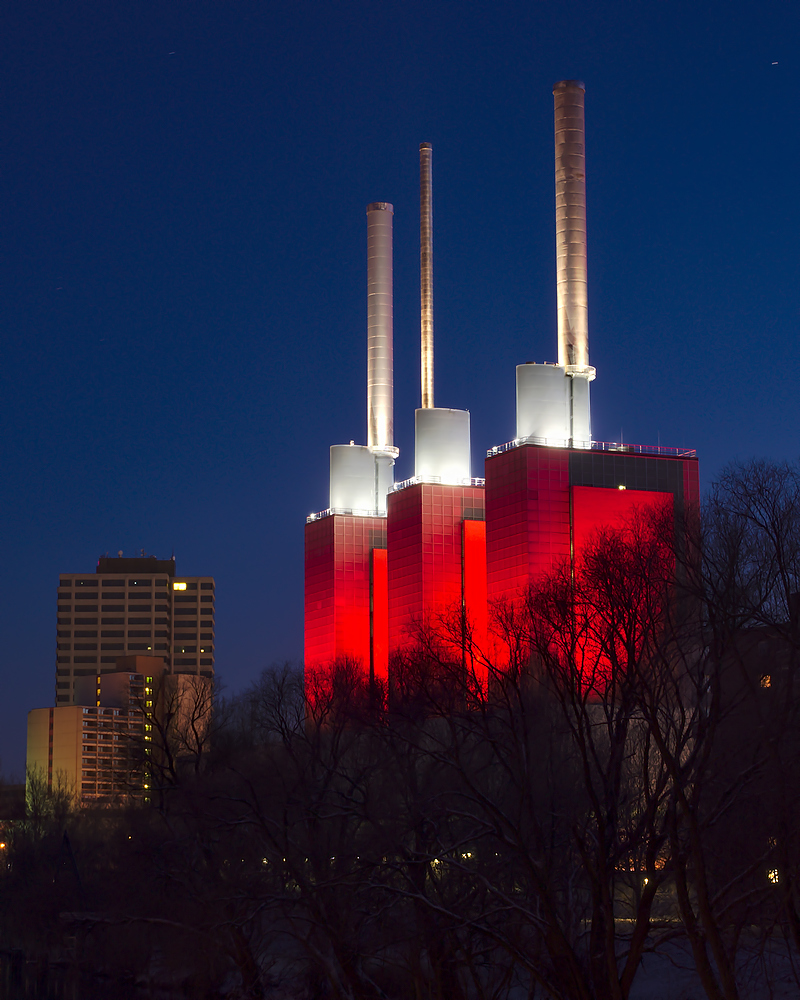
column 380, row 324
column 362, row 475
column 553, row 405
column 441, row 435
column 573, row 309
column 426, row 270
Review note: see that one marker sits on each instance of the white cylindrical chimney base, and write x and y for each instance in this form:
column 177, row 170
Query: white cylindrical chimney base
column 581, row 420
column 352, row 477
column 543, row 403
column 442, row 444
column 384, row 480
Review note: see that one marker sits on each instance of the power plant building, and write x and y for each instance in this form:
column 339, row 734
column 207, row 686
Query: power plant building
column 387, row 560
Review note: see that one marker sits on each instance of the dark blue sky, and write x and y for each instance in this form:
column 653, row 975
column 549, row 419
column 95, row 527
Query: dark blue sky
column 183, row 262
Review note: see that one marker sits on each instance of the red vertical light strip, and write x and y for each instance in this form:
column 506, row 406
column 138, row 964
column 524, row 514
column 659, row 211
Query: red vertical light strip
column 474, row 592
column 380, row 616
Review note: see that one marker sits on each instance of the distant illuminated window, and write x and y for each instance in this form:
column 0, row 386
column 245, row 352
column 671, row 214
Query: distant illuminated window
column 621, row 487
column 773, row 876
column 766, row 680
column 179, row 586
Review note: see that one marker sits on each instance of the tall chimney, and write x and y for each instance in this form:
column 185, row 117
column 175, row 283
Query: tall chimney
column 380, row 324
column 426, row 270
column 573, row 309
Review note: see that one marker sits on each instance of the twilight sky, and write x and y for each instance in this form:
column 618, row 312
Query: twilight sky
column 183, row 254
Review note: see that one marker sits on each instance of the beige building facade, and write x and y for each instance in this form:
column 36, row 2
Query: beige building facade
column 106, row 747
column 86, row 751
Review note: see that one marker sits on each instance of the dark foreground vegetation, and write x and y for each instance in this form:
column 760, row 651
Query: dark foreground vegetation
column 617, row 775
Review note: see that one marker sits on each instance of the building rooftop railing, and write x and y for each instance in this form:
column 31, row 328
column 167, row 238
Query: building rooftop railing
column 634, row 449
column 414, row 480
column 342, row 510
column 397, row 486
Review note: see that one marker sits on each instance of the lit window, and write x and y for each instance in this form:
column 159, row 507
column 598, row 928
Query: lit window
column 620, row 487
column 179, row 586
column 766, row 680
column 773, row 876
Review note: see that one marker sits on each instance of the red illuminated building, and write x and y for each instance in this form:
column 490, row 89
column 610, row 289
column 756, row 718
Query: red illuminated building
column 437, row 562
column 544, row 503
column 386, row 561
column 345, row 593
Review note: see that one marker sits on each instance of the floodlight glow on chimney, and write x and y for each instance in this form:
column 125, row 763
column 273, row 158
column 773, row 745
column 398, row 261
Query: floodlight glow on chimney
column 426, row 270
column 571, row 280
column 553, row 400
column 441, row 435
column 380, row 326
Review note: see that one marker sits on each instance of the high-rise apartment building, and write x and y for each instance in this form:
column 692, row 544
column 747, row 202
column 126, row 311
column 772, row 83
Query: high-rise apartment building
column 112, row 742
column 132, row 606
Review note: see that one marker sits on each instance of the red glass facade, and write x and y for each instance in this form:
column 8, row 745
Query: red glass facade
column 380, row 615
column 373, row 582
column 542, row 503
column 345, row 592
column 473, row 582
column 435, row 564
column 527, row 517
column 598, row 507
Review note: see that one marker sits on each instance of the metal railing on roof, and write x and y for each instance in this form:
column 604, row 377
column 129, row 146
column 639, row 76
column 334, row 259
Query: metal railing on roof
column 414, row 480
column 612, row 446
column 342, row 510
